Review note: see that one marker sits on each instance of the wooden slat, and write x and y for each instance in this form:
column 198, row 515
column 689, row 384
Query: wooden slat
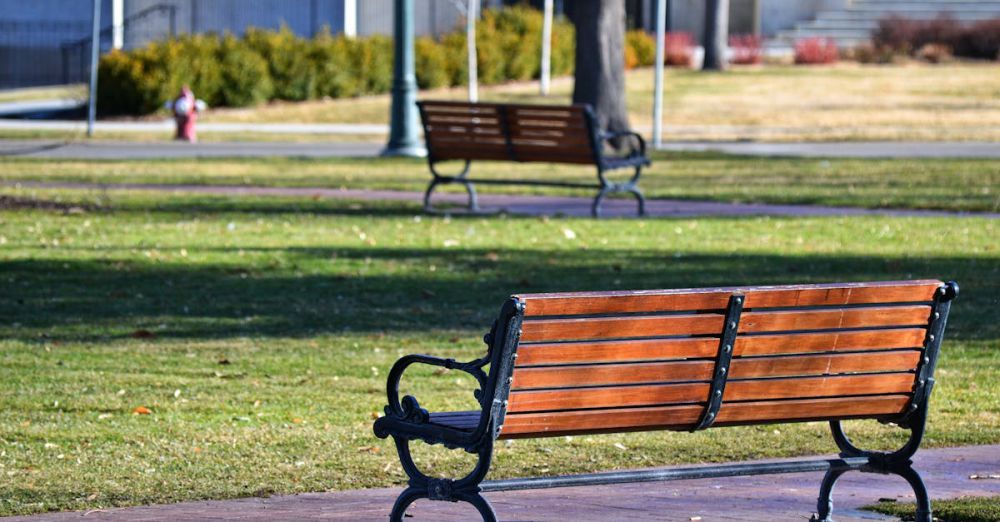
column 555, row 151
column 616, row 351
column 463, row 121
column 840, row 318
column 539, row 158
column 470, row 143
column 607, row 397
column 811, row 409
column 444, row 153
column 864, row 293
column 716, row 298
column 827, row 386
column 597, row 421
column 772, row 344
column 606, row 374
column 459, row 132
column 615, row 327
column 742, row 368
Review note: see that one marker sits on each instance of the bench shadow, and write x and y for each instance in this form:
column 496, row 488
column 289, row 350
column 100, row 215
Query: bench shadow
column 300, row 292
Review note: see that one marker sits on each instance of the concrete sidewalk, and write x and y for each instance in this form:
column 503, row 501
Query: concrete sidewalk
column 132, row 150
column 948, row 473
column 518, row 205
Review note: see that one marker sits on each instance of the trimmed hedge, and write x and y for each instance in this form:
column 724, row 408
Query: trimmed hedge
column 263, row 65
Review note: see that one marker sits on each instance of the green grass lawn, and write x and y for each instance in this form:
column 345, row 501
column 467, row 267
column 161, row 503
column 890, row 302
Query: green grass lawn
column 258, row 334
column 966, row 509
column 949, row 184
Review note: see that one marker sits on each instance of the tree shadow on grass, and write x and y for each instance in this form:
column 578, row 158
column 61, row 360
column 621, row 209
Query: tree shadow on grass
column 317, row 291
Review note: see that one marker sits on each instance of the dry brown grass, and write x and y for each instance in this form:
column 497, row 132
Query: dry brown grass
column 841, row 102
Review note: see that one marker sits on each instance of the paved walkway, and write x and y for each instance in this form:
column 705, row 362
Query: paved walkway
column 948, row 473
column 876, row 149
column 515, row 204
column 168, row 149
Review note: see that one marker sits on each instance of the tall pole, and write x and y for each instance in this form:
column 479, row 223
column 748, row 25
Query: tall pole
column 661, row 23
column 350, row 18
column 403, row 139
column 471, row 16
column 546, row 49
column 95, row 51
column 117, row 24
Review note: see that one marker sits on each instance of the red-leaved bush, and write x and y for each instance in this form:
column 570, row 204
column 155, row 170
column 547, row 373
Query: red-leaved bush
column 904, row 36
column 813, row 51
column 678, row 49
column 746, row 48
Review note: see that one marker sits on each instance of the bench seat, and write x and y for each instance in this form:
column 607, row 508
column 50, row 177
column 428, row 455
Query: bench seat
column 467, row 132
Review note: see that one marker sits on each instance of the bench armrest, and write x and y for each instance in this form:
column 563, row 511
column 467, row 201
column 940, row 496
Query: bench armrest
column 408, row 408
column 636, row 151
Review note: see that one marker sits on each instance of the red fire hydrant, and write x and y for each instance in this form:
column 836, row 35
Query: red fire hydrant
column 186, row 108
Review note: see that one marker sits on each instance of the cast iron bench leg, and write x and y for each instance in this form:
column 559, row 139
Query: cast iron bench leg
column 465, row 489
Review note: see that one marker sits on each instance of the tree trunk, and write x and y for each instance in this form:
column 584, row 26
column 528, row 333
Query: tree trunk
column 716, row 35
column 600, row 59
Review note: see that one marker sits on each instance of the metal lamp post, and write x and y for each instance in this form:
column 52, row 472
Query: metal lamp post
column 403, row 137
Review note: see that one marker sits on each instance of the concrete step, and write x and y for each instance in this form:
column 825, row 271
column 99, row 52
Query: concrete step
column 854, row 24
column 861, row 15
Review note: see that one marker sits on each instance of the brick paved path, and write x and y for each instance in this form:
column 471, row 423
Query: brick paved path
column 946, row 471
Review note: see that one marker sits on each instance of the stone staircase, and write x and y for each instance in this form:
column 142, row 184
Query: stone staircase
column 853, row 24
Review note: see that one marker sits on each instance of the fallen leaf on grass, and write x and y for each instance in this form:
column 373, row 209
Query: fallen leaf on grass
column 141, row 410
column 370, row 449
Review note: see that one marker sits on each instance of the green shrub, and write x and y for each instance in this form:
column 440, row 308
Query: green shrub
column 245, row 77
column 520, row 28
column 287, row 56
column 120, row 89
column 431, row 64
column 563, row 47
column 643, row 47
column 332, row 57
column 372, row 64
column 456, row 55
column 195, row 62
column 266, row 64
column 491, row 59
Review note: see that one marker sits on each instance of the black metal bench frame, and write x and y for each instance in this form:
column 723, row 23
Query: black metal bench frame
column 405, row 420
column 636, row 160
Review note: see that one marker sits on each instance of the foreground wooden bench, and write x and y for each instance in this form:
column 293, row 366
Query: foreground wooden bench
column 526, row 133
column 685, row 360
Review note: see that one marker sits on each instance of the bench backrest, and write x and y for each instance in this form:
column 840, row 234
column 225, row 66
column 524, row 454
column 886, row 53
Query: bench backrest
column 620, row 361
column 508, row 132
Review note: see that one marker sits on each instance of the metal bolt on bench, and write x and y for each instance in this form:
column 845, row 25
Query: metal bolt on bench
column 686, row 360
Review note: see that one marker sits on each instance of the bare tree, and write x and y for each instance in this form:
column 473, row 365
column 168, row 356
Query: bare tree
column 716, row 35
column 600, row 59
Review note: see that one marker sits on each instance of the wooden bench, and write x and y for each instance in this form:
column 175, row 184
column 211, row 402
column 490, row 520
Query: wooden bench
column 685, row 360
column 526, row 133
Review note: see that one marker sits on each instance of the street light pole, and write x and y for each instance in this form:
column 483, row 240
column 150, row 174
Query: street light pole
column 661, row 32
column 403, row 138
column 546, row 48
column 95, row 53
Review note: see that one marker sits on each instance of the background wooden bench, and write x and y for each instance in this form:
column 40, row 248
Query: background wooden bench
column 526, row 133
column 685, row 360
